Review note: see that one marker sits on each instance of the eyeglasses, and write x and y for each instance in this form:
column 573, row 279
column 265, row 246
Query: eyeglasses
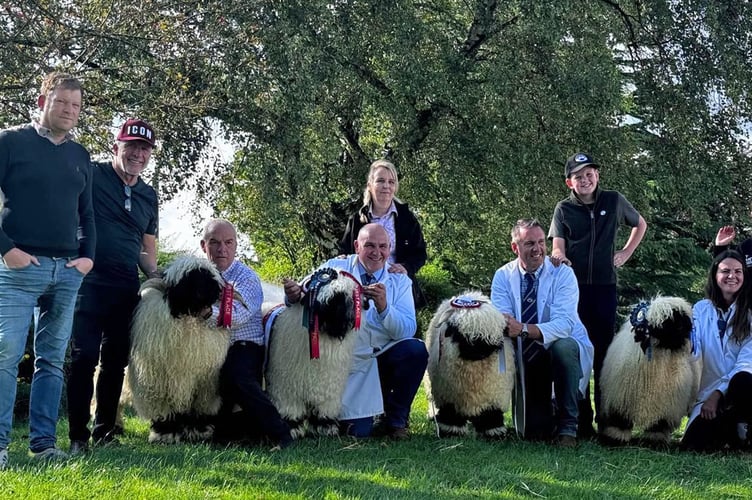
column 127, row 190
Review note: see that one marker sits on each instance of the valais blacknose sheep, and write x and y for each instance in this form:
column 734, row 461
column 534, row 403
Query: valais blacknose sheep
column 466, row 350
column 649, row 378
column 176, row 354
column 311, row 352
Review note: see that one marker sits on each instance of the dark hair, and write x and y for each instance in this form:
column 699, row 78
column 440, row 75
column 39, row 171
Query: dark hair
column 57, row 80
column 741, row 320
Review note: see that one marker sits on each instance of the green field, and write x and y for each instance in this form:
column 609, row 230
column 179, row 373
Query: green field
column 424, row 467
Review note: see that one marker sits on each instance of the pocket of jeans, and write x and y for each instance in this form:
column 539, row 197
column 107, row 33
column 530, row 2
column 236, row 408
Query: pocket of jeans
column 15, row 269
column 75, row 269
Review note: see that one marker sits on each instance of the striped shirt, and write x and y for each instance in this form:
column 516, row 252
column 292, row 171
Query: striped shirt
column 246, row 322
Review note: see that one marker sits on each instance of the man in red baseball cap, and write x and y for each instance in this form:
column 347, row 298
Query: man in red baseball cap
column 126, row 214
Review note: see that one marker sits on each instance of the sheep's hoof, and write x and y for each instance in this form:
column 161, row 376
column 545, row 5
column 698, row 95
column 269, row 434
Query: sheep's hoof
column 613, row 436
column 331, row 430
column 496, row 433
column 197, row 434
column 163, row 438
column 298, row 432
column 451, row 430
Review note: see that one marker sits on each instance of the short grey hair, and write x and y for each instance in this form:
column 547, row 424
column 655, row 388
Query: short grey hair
column 524, row 224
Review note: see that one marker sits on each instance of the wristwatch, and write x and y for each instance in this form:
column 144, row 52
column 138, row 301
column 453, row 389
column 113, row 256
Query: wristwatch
column 524, row 333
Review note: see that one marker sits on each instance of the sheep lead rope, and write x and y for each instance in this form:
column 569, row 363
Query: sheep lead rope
column 224, row 319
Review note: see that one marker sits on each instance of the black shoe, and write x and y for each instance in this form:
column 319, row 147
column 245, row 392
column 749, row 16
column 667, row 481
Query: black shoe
column 78, row 448
column 108, row 441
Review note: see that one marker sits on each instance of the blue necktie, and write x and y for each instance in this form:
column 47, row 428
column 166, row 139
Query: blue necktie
column 530, row 348
column 367, row 279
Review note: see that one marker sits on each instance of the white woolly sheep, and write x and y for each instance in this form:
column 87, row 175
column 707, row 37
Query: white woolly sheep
column 176, row 355
column 465, row 341
column 649, row 378
column 305, row 389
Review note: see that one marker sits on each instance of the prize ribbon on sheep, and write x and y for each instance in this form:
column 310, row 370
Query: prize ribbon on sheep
column 639, row 320
column 357, row 302
column 225, row 308
column 318, row 279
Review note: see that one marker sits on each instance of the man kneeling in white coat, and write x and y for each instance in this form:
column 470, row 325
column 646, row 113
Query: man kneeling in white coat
column 540, row 302
column 389, row 362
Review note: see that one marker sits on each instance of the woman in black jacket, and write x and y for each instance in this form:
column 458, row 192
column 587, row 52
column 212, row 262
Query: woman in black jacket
column 380, row 206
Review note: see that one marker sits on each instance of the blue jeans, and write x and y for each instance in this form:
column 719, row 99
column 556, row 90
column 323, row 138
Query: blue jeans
column 566, row 371
column 401, row 370
column 53, row 287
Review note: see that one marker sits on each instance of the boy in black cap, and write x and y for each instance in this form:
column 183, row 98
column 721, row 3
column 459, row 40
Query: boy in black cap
column 583, row 232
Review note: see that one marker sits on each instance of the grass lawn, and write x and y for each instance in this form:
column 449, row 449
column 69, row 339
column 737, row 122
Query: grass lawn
column 424, row 467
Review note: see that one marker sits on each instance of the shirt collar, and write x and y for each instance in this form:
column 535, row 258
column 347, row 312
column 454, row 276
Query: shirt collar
column 392, row 210
column 229, row 269
column 47, row 133
column 535, row 274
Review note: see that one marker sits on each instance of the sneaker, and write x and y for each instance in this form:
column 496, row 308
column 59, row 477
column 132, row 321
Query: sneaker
column 3, row 458
column 78, row 448
column 50, row 453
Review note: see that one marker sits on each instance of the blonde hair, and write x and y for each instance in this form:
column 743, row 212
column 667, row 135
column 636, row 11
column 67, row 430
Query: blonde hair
column 370, row 178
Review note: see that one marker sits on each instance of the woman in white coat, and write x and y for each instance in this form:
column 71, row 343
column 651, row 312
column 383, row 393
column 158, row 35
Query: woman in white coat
column 723, row 343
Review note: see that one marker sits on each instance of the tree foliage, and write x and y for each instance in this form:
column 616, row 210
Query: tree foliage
column 478, row 104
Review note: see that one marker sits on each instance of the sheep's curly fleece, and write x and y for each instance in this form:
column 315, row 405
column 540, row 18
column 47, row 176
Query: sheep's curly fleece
column 472, row 386
column 175, row 362
column 648, row 391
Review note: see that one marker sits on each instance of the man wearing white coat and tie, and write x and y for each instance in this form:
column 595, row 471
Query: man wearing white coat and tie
column 540, row 300
column 389, row 362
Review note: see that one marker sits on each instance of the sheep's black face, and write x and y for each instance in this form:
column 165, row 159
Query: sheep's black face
column 470, row 350
column 336, row 315
column 673, row 334
column 193, row 294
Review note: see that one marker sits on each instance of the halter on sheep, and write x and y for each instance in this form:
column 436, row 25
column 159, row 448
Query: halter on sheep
column 176, row 355
column 649, row 378
column 311, row 351
column 470, row 366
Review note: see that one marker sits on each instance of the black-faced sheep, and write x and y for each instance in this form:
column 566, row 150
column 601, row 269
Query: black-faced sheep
column 302, row 387
column 465, row 342
column 649, row 378
column 176, row 355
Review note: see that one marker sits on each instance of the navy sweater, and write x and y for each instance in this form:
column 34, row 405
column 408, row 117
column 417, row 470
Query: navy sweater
column 47, row 188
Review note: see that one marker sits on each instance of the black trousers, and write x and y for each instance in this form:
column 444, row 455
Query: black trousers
column 101, row 329
column 597, row 310
column 240, row 383
column 734, row 407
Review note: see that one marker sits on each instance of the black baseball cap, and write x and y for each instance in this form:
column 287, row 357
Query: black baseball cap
column 577, row 162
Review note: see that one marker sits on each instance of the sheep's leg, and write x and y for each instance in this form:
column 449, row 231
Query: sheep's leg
column 615, row 428
column 659, row 433
column 297, row 427
column 198, row 427
column 167, row 430
column 490, row 423
column 451, row 423
column 324, row 426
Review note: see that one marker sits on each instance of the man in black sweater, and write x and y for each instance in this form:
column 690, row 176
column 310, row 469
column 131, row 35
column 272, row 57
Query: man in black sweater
column 47, row 242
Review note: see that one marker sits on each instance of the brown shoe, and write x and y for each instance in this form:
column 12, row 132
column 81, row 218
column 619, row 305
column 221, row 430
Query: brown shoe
column 566, row 441
column 398, row 433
